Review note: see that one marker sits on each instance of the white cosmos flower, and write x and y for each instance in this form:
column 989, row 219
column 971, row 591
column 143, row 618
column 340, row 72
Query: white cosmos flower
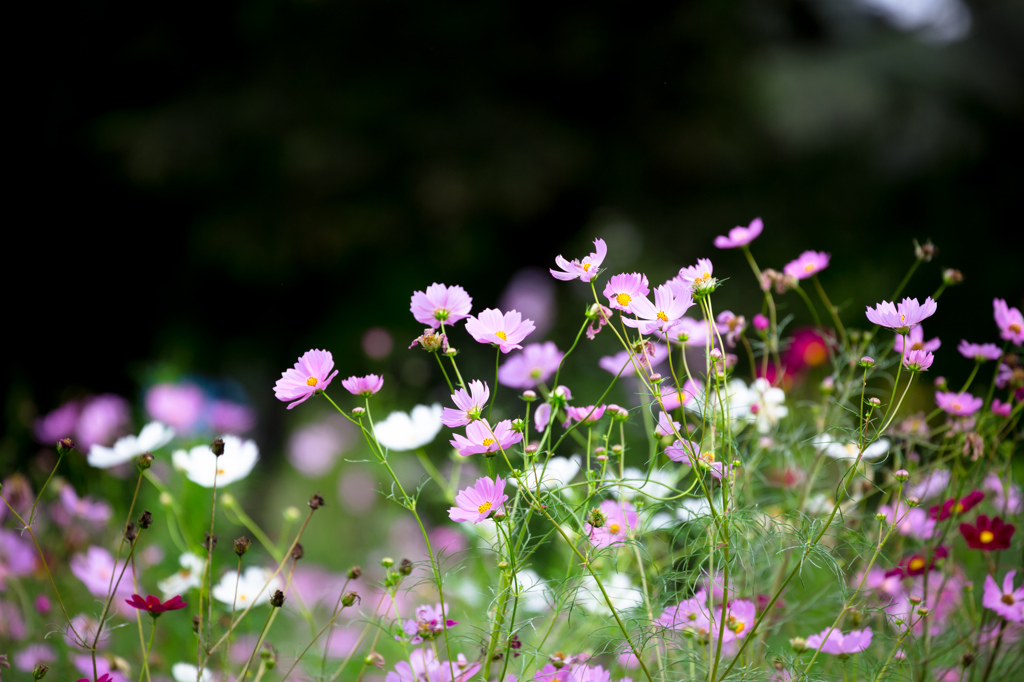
column 250, row 583
column 401, row 432
column 769, row 407
column 620, row 591
column 532, row 590
column 153, row 436
column 190, row 575
column 739, row 398
column 200, row 464
column 558, row 472
column 837, row 450
column 186, row 672
column 660, row 484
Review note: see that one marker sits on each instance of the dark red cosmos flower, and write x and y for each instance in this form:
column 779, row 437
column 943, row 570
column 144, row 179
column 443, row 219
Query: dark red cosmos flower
column 955, row 506
column 986, row 534
column 154, row 605
column 915, row 564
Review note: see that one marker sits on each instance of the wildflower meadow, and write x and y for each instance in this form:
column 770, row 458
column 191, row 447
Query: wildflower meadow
column 724, row 495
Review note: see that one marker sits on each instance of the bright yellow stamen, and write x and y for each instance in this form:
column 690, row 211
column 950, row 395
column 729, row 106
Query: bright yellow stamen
column 1015, row 328
column 809, row 267
column 614, row 528
column 662, row 316
column 957, row 406
column 739, row 627
column 484, row 508
column 623, row 299
column 958, row 508
column 986, row 537
column 586, row 267
column 501, row 335
column 311, row 381
column 220, row 472
column 488, row 442
column 916, row 564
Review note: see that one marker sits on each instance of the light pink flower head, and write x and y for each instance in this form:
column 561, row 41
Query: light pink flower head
column 364, row 386
column 740, row 236
column 837, row 643
column 586, row 269
column 620, row 518
column 1001, row 409
column 918, row 360
column 902, row 317
column 440, row 304
column 534, row 365
column 958, row 404
column 469, row 405
column 807, row 264
column 696, row 277
column 506, row 331
column 479, row 502
column 590, row 414
column 623, row 288
column 914, row 340
column 979, row 351
column 1007, row 602
column 1009, row 320
column 177, row 405
column 481, row 439
column 670, row 303
column 310, row 374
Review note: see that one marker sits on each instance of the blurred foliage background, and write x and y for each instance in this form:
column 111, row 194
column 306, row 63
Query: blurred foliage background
column 215, row 188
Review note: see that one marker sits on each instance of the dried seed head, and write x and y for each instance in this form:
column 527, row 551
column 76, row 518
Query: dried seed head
column 242, row 545
column 217, row 446
column 316, row 501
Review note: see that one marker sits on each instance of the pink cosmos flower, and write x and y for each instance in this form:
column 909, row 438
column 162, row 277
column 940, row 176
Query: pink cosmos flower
column 364, row 386
column 915, row 341
column 588, row 415
column 1007, row 602
column 470, row 405
column 740, row 617
column 687, row 452
column 807, row 264
column 536, row 364
column 918, row 360
column 838, row 643
column 102, row 419
column 761, row 323
column 71, row 506
column 506, row 331
column 586, row 269
column 979, row 351
column 17, row 556
column 910, row 521
column 440, row 304
column 1001, row 409
column 1009, row 500
column 696, row 278
column 958, row 404
column 479, row 502
column 310, row 374
column 428, row 623
column 622, row 289
column 902, row 317
column 1009, row 320
column 230, row 417
column 740, row 236
column 669, row 305
column 57, row 424
column 954, row 506
column 177, row 405
column 620, row 518
column 426, row 666
column 666, row 425
column 689, row 332
column 731, row 325
column 481, row 439
column 652, row 354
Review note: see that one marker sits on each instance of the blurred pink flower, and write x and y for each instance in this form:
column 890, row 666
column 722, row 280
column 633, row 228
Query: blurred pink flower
column 838, row 643
column 807, row 264
column 740, row 236
column 914, row 340
column 102, row 419
column 57, row 424
column 1009, row 320
column 178, row 405
column 230, row 417
column 314, row 448
column 979, row 351
column 532, row 293
column 958, row 404
column 310, row 374
column 536, row 364
column 17, row 555
column 620, row 518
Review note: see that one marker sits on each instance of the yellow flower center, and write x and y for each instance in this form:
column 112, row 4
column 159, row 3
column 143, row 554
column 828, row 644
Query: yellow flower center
column 614, row 528
column 586, row 267
column 623, row 299
column 917, row 346
column 501, row 335
column 958, row 507
column 916, row 564
column 220, row 472
column 986, row 537
column 1015, row 328
column 311, row 381
column 809, row 267
column 957, row 407
column 662, row 316
column 484, row 508
column 488, row 442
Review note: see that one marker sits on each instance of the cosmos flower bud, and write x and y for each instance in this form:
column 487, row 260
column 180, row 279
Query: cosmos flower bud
column 144, row 461
column 518, row 425
column 913, row 501
column 867, row 361
column 880, row 516
column 217, row 447
column 290, row 514
column 145, row 519
column 940, row 383
column 316, row 501
column 242, row 545
column 914, row 599
column 952, row 276
column 387, row 562
column 39, row 672
column 967, row 659
column 277, row 601
column 298, row 552
column 799, row 644
column 716, row 354
column 451, row 352
column 532, row 447
column 430, row 341
column 923, row 611
column 618, row 412
column 828, row 385
column 529, row 396
column 131, row 532
column 374, row 659
column 65, row 445
column 502, row 565
column 602, row 457
column 901, row 475
column 405, row 567
column 269, row 654
column 761, row 323
column 925, row 251
column 596, row 518
column 617, row 449
column 354, row 572
column 874, row 402
column 655, row 378
column 209, row 542
column 349, row 598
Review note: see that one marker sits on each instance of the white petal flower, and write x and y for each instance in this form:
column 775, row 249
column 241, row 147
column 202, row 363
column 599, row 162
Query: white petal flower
column 190, row 575
column 186, row 672
column 660, row 484
column 533, row 592
column 558, row 472
column 837, row 450
column 200, row 464
column 620, row 591
column 250, row 583
column 769, row 407
column 153, row 436
column 401, row 432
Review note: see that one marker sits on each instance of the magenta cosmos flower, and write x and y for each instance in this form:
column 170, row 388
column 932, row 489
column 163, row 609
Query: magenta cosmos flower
column 740, row 236
column 670, row 304
column 837, row 643
column 586, row 269
column 902, row 317
column 987, row 534
column 310, row 374
column 479, row 502
column 956, row 506
column 958, row 404
column 1007, row 602
column 623, row 288
column 807, row 264
column 154, row 605
column 536, row 364
column 481, row 439
column 1009, row 320
column 470, row 405
column 918, row 360
column 620, row 518
column 365, row 386
column 505, row 331
column 440, row 304
column 914, row 340
column 979, row 351
column 588, row 415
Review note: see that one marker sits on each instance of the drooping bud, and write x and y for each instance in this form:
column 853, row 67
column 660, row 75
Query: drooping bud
column 242, row 545
column 145, row 519
column 316, row 501
column 405, row 567
column 350, row 598
column 354, row 572
column 39, row 672
column 952, row 276
column 374, row 659
column 297, row 551
column 277, row 601
column 209, row 542
column 65, row 445
column 131, row 532
column 217, row 447
column 597, row 518
column 144, row 461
